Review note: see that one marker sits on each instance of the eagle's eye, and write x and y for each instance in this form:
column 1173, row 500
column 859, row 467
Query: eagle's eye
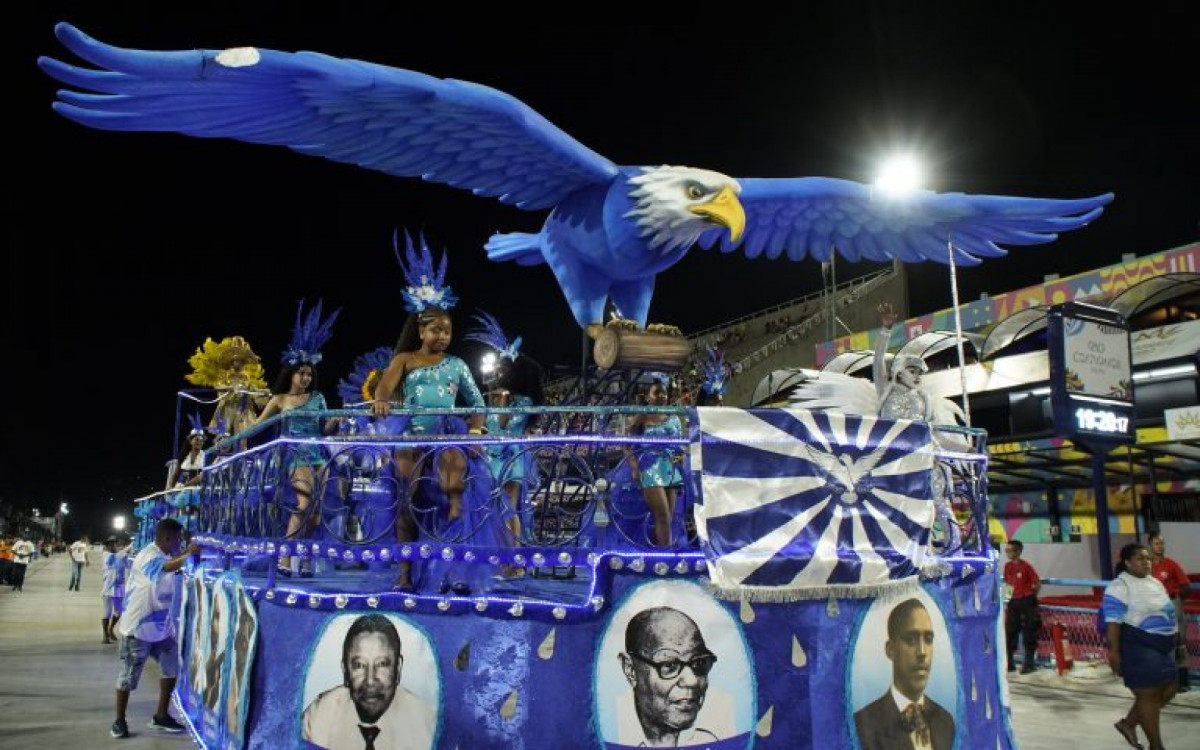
column 695, row 192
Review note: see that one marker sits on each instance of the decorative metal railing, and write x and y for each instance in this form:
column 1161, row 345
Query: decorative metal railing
column 550, row 494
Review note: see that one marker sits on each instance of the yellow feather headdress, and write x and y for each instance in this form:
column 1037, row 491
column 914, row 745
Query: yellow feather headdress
column 215, row 364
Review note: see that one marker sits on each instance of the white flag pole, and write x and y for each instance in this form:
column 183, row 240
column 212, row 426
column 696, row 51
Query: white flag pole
column 962, row 370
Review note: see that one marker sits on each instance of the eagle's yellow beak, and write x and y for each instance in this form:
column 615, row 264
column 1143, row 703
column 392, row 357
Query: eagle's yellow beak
column 726, row 210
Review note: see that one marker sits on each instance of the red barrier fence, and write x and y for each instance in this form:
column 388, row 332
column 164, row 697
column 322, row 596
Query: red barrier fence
column 1077, row 616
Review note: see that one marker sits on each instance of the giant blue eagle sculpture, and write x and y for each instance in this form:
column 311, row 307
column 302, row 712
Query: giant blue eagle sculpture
column 611, row 228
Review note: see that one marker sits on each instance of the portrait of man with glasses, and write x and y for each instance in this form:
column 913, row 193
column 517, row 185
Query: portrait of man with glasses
column 667, row 663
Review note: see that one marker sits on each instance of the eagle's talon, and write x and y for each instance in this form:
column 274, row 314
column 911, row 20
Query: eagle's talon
column 665, row 330
column 622, row 323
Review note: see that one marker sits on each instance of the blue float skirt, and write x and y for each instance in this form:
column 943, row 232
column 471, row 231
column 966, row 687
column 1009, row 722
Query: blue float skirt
column 306, row 455
column 1147, row 659
column 658, row 470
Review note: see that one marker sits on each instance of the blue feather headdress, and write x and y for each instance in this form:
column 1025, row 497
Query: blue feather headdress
column 661, row 378
column 309, row 335
column 716, row 374
column 197, row 425
column 357, row 387
column 426, row 287
column 489, row 333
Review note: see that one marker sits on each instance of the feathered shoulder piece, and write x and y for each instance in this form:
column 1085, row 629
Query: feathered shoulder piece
column 716, row 374
column 426, row 287
column 487, row 331
column 359, row 385
column 220, row 364
column 309, row 335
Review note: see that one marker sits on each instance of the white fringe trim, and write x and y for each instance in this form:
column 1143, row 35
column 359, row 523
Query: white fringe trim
column 782, row 594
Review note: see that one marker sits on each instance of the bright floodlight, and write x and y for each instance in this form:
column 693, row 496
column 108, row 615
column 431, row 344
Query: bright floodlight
column 63, row 509
column 119, row 523
column 488, row 365
column 900, row 175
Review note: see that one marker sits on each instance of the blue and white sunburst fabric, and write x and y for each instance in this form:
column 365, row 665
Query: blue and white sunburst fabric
column 805, row 504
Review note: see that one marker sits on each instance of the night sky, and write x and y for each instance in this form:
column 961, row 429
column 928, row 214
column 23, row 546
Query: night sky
column 125, row 250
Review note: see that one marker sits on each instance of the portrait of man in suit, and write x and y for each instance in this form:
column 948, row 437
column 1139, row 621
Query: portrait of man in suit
column 905, row 717
column 370, row 709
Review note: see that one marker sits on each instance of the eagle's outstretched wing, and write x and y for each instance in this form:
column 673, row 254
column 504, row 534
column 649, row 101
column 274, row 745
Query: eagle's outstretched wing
column 804, row 216
column 396, row 121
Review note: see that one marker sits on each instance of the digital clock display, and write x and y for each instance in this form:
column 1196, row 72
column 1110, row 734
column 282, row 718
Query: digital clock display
column 1101, row 420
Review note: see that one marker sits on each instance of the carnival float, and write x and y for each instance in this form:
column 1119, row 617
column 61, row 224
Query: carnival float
column 438, row 565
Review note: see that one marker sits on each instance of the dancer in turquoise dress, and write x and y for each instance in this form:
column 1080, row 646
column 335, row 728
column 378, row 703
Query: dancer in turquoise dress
column 516, row 382
column 656, row 470
column 296, row 391
column 422, row 375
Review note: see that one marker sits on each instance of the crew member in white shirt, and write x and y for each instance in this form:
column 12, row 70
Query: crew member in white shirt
column 146, row 628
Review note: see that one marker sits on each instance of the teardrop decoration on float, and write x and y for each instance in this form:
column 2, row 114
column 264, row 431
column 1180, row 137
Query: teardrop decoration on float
column 509, row 708
column 463, row 659
column 546, row 647
column 831, row 607
column 764, row 724
column 746, row 612
column 799, row 657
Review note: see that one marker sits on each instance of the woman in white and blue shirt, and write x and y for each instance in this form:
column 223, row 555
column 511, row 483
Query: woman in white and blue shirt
column 1141, row 630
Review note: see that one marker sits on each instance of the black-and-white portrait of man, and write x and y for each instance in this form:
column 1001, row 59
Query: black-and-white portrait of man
column 667, row 663
column 673, row 671
column 376, row 705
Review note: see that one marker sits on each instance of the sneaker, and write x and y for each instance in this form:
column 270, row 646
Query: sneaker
column 119, row 730
column 1028, row 669
column 165, row 724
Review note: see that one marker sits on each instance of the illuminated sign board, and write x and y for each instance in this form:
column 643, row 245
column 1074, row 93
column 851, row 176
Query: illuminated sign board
column 1097, row 359
column 1091, row 374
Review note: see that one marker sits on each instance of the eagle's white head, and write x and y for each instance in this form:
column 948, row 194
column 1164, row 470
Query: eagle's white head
column 673, row 206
